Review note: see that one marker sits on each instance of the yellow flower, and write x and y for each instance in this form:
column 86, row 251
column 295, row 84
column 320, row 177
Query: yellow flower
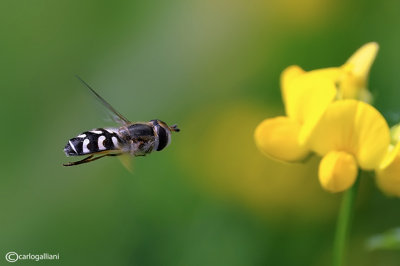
column 388, row 173
column 278, row 137
column 337, row 171
column 306, row 96
column 352, row 81
column 350, row 134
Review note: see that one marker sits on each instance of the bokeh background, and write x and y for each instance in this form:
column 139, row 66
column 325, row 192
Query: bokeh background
column 212, row 67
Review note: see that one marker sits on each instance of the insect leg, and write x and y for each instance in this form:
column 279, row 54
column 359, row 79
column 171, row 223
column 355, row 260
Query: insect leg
column 85, row 160
column 89, row 159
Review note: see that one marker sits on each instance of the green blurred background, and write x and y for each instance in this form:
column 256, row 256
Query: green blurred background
column 212, row 67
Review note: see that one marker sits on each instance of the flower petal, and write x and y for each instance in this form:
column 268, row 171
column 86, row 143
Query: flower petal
column 361, row 61
column 388, row 178
column 353, row 81
column 315, row 100
column 307, row 89
column 394, row 147
column 395, row 134
column 278, row 138
column 337, row 171
column 287, row 77
column 307, row 95
column 390, row 156
column 355, row 127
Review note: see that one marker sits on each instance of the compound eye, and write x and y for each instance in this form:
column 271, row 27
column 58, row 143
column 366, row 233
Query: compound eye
column 163, row 138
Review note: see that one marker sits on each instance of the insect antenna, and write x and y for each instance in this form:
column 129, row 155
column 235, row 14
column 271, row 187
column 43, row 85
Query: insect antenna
column 174, row 128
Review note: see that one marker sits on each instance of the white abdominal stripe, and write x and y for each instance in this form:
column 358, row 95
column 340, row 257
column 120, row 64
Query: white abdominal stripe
column 100, row 142
column 93, row 141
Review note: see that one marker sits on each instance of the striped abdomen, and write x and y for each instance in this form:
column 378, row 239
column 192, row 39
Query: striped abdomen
column 94, row 141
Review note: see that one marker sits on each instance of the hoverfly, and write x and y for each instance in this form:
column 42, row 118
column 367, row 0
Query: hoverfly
column 133, row 138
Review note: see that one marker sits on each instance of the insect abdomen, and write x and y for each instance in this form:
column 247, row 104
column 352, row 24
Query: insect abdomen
column 94, row 141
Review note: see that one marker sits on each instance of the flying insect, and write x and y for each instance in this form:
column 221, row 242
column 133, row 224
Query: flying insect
column 130, row 138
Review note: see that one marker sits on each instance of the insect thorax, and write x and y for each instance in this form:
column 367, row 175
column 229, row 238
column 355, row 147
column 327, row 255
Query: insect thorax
column 140, row 137
column 149, row 136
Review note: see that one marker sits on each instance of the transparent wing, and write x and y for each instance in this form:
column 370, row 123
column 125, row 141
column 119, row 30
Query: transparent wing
column 126, row 160
column 117, row 117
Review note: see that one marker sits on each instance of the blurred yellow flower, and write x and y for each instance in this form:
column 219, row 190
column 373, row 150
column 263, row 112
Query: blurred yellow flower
column 278, row 137
column 327, row 112
column 352, row 81
column 350, row 134
column 388, row 173
column 337, row 171
column 306, row 95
